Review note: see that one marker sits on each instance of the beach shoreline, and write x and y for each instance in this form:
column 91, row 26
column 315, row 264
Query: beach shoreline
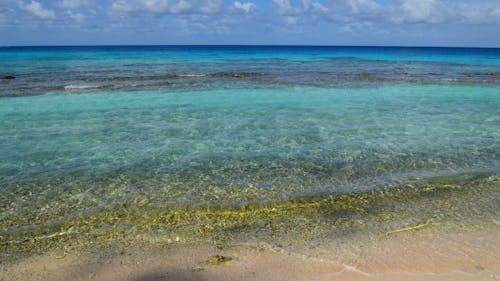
column 425, row 254
column 361, row 236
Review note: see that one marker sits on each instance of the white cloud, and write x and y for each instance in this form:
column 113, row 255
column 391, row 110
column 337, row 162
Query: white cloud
column 246, row 7
column 363, row 6
column 74, row 4
column 168, row 6
column 421, row 11
column 417, row 11
column 78, row 17
column 496, row 12
column 8, row 17
column 37, row 9
column 310, row 6
column 410, row 11
column 283, row 7
column 291, row 20
column 209, row 6
column 318, row 7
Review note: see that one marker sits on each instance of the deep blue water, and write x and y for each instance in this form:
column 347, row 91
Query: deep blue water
column 42, row 70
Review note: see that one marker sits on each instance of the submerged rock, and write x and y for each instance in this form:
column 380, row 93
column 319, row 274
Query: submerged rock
column 473, row 74
column 217, row 260
column 9, row 77
column 364, row 75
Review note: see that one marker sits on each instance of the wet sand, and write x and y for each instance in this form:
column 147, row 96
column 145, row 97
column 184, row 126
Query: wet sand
column 423, row 254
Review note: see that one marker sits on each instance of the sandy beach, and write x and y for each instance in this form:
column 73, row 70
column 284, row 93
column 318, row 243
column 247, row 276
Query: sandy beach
column 424, row 254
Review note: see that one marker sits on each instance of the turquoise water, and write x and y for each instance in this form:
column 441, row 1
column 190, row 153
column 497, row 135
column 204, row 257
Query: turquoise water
column 297, row 140
column 83, row 128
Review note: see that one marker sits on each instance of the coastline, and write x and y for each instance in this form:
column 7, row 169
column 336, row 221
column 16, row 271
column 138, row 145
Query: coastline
column 444, row 228
column 422, row 255
column 452, row 202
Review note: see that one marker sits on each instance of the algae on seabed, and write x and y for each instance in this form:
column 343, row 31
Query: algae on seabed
column 458, row 200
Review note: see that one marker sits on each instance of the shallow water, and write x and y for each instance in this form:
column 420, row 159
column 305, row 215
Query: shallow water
column 93, row 137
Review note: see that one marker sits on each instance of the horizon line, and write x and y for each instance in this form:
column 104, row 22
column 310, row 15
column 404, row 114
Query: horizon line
column 247, row 45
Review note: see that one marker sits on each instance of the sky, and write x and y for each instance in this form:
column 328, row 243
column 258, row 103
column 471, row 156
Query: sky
column 465, row 23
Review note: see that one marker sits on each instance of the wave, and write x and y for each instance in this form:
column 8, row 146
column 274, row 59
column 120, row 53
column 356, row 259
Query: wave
column 296, row 77
column 192, row 75
column 81, row 87
column 166, row 76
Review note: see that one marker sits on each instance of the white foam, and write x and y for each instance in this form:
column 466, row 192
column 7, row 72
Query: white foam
column 80, row 87
column 192, row 75
column 342, row 271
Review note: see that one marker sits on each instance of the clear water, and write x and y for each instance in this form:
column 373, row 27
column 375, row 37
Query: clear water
column 82, row 128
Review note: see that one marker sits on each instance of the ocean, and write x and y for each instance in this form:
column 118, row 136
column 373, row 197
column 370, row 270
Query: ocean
column 241, row 143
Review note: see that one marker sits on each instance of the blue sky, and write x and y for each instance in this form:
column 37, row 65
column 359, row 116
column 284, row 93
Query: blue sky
column 293, row 22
